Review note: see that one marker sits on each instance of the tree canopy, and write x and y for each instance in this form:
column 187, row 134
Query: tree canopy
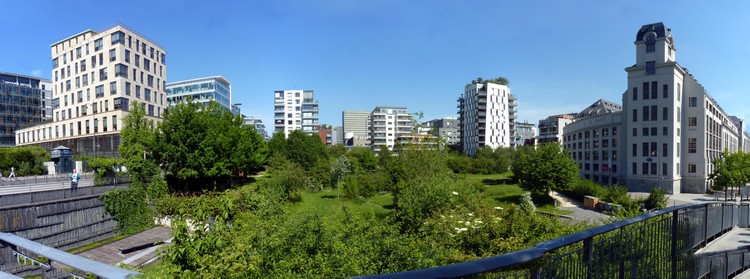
column 731, row 169
column 549, row 167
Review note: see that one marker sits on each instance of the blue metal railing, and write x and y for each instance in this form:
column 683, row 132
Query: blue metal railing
column 658, row 244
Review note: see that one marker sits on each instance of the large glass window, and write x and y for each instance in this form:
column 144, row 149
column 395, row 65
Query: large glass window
column 112, row 55
column 692, row 145
column 99, row 92
column 98, row 45
column 113, row 88
column 118, row 38
column 650, row 67
column 693, row 102
column 121, row 70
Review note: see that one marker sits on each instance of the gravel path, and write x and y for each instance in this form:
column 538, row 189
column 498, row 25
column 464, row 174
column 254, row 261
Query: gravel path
column 578, row 213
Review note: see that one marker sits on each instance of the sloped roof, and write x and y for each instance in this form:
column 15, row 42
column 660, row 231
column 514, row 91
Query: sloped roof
column 599, row 107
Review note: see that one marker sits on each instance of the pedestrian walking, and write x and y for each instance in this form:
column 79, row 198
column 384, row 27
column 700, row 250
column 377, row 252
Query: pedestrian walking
column 12, row 172
column 74, row 177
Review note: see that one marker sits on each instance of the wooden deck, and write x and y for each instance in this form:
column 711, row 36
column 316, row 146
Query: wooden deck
column 109, row 253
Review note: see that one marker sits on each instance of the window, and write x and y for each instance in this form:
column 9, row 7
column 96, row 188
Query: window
column 665, row 113
column 654, row 90
column 101, row 59
column 678, row 150
column 645, row 113
column 650, row 67
column 691, row 168
column 127, row 56
column 98, row 45
column 635, row 115
column 127, row 88
column 103, row 74
column 644, row 168
column 114, row 122
column 650, row 43
column 692, row 145
column 635, row 93
column 150, row 81
column 654, row 113
column 645, row 91
column 93, row 61
column 99, row 93
column 137, row 59
column 83, row 65
column 80, row 96
column 663, row 168
column 55, row 63
column 653, row 131
column 665, row 91
column 635, row 150
column 692, row 102
column 664, row 150
column 147, row 94
column 645, row 131
column 665, row 131
column 679, row 115
column 151, row 110
column 653, row 149
column 118, row 38
column 137, row 91
column 645, row 152
column 121, row 104
column 653, row 168
column 614, row 131
column 121, row 70
column 146, row 64
column 635, row 168
column 112, row 55
column 104, row 124
column 692, row 121
column 113, row 88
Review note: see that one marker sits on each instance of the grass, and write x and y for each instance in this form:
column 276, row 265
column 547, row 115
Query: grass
column 97, row 244
column 329, row 202
column 500, row 191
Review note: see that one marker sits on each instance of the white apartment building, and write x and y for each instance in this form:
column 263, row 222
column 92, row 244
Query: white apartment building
column 525, row 134
column 594, row 142
column 551, row 128
column 295, row 110
column 389, row 126
column 96, row 77
column 670, row 129
column 487, row 113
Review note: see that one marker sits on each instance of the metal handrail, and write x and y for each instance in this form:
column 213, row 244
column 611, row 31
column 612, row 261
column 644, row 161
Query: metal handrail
column 515, row 259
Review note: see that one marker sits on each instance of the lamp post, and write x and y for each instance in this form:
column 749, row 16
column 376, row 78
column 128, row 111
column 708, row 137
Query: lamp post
column 93, row 109
column 655, row 153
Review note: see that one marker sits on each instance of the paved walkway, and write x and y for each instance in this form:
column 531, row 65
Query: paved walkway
column 109, row 253
column 40, row 183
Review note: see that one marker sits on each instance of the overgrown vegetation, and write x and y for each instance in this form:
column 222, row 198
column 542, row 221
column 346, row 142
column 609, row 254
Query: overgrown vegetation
column 24, row 160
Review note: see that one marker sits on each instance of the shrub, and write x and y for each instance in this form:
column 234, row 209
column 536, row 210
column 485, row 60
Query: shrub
column 657, row 199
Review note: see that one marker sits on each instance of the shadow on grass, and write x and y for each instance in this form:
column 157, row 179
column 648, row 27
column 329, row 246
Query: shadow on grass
column 329, row 196
column 508, row 199
column 502, row 181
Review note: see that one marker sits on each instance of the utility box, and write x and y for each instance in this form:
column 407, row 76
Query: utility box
column 590, row 202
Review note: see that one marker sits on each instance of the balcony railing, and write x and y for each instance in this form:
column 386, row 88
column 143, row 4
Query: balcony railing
column 658, row 244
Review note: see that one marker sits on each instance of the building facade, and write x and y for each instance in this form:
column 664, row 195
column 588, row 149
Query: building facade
column 96, row 77
column 23, row 100
column 295, row 110
column 202, row 91
column 487, row 115
column 258, row 124
column 355, row 127
column 389, row 126
column 326, row 136
column 551, row 128
column 444, row 128
column 669, row 130
column 525, row 134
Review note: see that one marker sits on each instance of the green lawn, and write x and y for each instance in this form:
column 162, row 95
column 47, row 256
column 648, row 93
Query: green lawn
column 330, row 201
column 500, row 191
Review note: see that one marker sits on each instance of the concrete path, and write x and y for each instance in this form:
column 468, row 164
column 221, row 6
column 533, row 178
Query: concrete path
column 109, row 253
column 39, row 183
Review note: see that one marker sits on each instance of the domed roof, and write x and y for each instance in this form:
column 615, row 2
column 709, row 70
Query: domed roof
column 599, row 107
column 658, row 28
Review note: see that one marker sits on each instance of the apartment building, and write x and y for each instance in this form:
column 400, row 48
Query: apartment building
column 487, row 116
column 551, row 128
column 258, row 124
column 96, row 77
column 23, row 100
column 595, row 142
column 201, row 90
column 295, row 110
column 389, row 126
column 525, row 134
column 444, row 128
column 669, row 130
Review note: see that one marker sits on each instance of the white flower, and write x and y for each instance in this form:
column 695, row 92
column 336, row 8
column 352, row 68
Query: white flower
column 463, row 229
column 455, row 193
column 498, row 208
column 467, row 223
column 478, row 221
column 471, row 214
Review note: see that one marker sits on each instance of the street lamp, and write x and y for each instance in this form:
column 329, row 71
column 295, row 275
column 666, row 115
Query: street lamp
column 93, row 109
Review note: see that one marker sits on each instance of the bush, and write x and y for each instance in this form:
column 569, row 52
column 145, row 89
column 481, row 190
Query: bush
column 585, row 187
column 129, row 208
column 657, row 199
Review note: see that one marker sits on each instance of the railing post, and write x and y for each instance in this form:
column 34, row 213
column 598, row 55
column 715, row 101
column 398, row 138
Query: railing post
column 535, row 273
column 705, row 227
column 675, row 233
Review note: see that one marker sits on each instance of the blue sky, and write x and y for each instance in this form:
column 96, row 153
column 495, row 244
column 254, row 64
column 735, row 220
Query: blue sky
column 559, row 56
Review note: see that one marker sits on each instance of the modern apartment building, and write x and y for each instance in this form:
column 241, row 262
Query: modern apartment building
column 487, row 116
column 551, row 128
column 444, row 128
column 355, row 126
column 258, row 124
column 202, row 91
column 389, row 126
column 326, row 136
column 96, row 77
column 22, row 104
column 525, row 134
column 295, row 110
column 669, row 130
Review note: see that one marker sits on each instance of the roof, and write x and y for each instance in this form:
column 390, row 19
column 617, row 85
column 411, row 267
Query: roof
column 599, row 107
column 658, row 28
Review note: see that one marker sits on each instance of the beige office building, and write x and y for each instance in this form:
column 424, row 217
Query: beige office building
column 96, row 76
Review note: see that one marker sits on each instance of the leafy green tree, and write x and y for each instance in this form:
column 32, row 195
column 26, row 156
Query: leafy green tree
column 547, row 168
column 731, row 169
column 201, row 146
column 363, row 159
column 138, row 138
column 341, row 168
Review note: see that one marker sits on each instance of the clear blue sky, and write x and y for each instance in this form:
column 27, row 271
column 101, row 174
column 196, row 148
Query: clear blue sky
column 559, row 56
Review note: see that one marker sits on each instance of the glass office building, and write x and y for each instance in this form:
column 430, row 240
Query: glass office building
column 22, row 103
column 201, row 90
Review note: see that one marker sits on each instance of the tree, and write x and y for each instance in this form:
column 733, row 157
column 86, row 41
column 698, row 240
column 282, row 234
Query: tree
column 547, row 168
column 138, row 137
column 206, row 145
column 731, row 169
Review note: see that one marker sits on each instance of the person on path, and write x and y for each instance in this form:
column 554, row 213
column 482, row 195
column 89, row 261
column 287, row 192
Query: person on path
column 74, row 177
column 12, row 172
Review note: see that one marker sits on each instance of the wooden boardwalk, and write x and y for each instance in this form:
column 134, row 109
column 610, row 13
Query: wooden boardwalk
column 109, row 253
